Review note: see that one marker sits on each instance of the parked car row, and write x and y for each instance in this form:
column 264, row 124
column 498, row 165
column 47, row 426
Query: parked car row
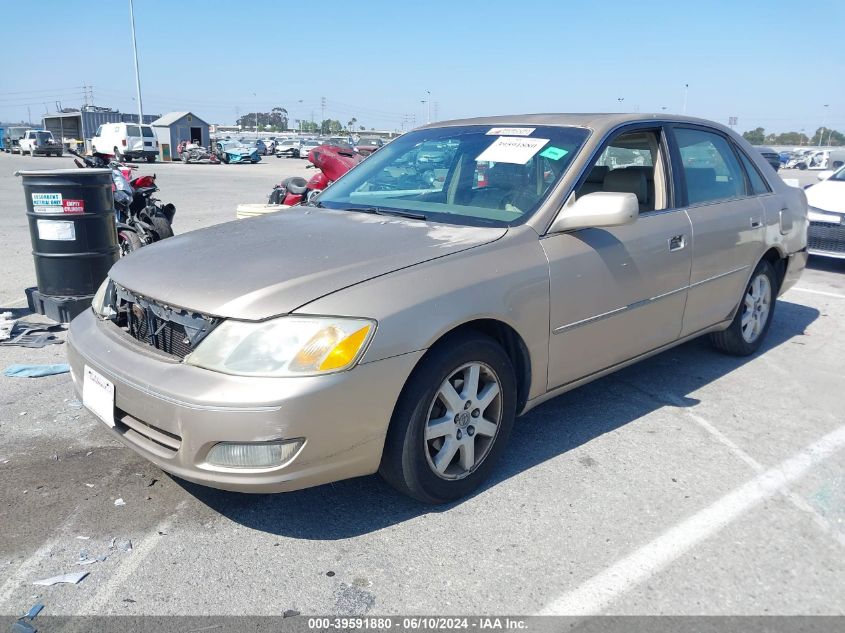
column 826, row 200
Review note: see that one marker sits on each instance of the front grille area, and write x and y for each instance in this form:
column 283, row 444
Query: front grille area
column 172, row 331
column 829, row 238
column 166, row 336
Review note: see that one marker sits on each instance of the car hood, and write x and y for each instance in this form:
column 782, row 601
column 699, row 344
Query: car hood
column 270, row 265
column 828, row 195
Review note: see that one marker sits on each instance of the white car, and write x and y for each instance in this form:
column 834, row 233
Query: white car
column 287, row 147
column 306, row 146
column 126, row 141
column 826, row 199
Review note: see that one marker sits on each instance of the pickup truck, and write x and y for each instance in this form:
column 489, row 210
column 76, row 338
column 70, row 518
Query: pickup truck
column 40, row 142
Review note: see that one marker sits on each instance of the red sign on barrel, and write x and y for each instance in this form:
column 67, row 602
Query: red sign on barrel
column 73, row 206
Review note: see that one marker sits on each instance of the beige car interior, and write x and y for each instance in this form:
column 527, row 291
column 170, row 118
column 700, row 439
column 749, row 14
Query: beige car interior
column 645, row 177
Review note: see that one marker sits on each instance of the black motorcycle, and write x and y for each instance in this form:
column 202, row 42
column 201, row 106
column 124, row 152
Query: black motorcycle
column 141, row 218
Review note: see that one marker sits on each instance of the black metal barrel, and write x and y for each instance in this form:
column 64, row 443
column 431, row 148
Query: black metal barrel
column 72, row 227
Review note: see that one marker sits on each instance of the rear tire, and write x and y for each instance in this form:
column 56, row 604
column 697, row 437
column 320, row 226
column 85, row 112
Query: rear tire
column 128, row 241
column 151, row 159
column 751, row 323
column 161, row 227
column 447, row 430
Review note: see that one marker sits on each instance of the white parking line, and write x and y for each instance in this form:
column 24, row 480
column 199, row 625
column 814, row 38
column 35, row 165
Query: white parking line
column 97, row 604
column 595, row 594
column 817, row 292
column 795, row 499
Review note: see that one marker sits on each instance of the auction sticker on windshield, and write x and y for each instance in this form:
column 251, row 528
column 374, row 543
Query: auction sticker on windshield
column 509, row 149
column 510, row 131
column 98, row 395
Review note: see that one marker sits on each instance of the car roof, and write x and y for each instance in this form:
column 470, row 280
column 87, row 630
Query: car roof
column 594, row 121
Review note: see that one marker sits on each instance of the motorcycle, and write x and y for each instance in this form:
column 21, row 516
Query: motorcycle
column 141, row 218
column 193, row 153
column 333, row 162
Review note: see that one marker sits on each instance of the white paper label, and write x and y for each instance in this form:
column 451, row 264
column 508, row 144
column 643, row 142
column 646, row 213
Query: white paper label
column 57, row 230
column 47, row 200
column 510, row 131
column 98, row 395
column 510, row 149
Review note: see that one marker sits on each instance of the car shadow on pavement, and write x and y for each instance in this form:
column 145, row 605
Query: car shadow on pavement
column 358, row 506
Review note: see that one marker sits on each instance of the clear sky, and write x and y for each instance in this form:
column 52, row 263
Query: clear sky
column 772, row 64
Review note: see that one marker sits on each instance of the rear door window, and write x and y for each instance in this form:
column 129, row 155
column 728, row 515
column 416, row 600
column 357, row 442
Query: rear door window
column 711, row 169
column 756, row 184
column 132, row 130
column 147, row 131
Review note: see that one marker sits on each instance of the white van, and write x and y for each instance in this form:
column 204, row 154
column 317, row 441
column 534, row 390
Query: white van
column 126, row 141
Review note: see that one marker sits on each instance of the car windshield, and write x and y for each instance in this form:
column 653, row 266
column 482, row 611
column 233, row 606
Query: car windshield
column 478, row 175
column 839, row 176
column 132, row 130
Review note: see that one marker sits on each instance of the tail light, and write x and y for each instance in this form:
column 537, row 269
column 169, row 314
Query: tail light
column 124, row 142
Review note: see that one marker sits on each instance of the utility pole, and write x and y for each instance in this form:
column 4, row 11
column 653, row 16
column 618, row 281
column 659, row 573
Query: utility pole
column 686, row 92
column 322, row 111
column 428, row 101
column 28, row 118
column 824, row 123
column 137, row 74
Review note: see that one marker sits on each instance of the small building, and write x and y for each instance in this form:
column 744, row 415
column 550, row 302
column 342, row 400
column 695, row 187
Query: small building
column 175, row 127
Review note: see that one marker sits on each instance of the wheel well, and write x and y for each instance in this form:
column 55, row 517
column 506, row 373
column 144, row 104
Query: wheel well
column 513, row 345
column 778, row 263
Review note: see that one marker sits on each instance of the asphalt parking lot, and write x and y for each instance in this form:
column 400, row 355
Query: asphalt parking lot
column 692, row 483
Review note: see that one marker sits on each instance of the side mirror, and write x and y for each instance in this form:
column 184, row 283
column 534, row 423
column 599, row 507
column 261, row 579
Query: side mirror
column 599, row 209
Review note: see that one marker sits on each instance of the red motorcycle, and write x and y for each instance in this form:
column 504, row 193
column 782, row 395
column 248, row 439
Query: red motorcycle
column 332, row 162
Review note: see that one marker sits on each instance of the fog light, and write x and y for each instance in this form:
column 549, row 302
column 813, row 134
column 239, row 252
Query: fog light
column 253, row 455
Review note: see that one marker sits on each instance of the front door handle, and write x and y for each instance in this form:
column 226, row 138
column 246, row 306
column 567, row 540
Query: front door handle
column 756, row 223
column 677, row 242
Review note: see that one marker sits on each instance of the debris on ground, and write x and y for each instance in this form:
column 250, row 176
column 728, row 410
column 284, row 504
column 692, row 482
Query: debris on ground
column 83, row 538
column 74, row 404
column 124, row 545
column 290, row 613
column 35, row 371
column 72, row 578
column 29, row 334
column 90, row 485
column 7, row 323
column 34, row 610
column 119, row 502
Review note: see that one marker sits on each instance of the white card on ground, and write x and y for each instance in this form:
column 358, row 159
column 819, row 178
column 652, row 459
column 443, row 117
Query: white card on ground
column 512, row 149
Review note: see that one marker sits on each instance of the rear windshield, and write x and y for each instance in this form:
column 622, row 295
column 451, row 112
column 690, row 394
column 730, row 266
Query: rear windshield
column 148, row 131
column 132, row 130
column 43, row 137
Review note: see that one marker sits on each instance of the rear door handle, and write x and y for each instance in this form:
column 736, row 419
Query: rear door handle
column 756, row 223
column 677, row 242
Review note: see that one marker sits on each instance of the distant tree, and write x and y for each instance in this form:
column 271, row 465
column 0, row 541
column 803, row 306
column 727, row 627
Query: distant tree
column 350, row 125
column 309, row 126
column 362, row 128
column 278, row 118
column 757, row 136
column 330, row 126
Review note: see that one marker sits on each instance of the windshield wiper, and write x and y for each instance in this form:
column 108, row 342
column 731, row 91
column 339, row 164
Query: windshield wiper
column 395, row 212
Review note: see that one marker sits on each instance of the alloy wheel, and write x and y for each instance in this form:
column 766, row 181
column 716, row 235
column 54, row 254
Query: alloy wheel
column 756, row 308
column 463, row 421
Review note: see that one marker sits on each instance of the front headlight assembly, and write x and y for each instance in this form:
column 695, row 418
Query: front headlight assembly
column 102, row 301
column 284, row 347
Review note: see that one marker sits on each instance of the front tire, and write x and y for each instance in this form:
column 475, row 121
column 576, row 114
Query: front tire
column 746, row 332
column 161, row 228
column 452, row 420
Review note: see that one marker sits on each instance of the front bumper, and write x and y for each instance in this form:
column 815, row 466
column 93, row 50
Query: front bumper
column 826, row 239
column 173, row 414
